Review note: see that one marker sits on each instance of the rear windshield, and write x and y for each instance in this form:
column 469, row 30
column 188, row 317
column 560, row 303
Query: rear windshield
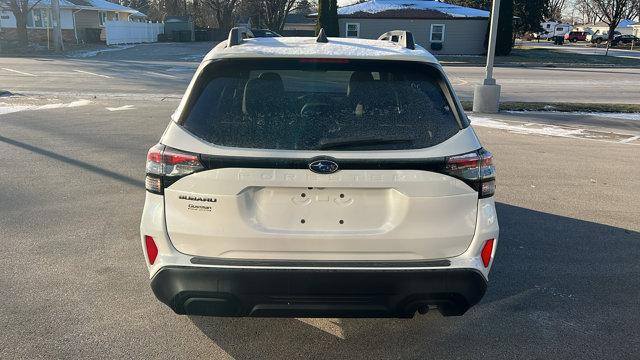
column 310, row 104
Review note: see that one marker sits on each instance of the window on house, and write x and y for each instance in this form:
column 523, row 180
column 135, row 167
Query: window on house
column 103, row 17
column 437, row 33
column 353, row 30
column 38, row 18
column 548, row 26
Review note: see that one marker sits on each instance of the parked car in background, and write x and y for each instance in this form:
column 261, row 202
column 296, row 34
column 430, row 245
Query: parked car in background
column 264, row 33
column 625, row 39
column 598, row 37
column 575, row 36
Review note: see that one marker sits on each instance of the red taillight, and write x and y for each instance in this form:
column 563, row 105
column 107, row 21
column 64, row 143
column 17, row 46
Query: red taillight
column 165, row 162
column 487, row 249
column 152, row 249
column 475, row 168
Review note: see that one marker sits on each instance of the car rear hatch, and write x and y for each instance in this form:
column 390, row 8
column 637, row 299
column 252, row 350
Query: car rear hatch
column 382, row 190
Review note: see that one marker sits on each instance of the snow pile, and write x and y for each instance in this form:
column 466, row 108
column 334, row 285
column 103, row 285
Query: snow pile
column 92, row 53
column 87, row 4
column 549, row 130
column 376, row 6
column 6, row 108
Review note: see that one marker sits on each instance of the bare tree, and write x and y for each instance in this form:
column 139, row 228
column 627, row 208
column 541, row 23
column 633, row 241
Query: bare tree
column 224, row 12
column 275, row 12
column 20, row 10
column 611, row 13
column 589, row 14
column 553, row 9
column 633, row 11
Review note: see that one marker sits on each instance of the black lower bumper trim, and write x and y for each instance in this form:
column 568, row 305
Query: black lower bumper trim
column 316, row 293
column 319, row 263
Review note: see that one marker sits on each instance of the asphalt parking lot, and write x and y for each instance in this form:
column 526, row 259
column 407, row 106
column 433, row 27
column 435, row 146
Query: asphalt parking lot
column 566, row 282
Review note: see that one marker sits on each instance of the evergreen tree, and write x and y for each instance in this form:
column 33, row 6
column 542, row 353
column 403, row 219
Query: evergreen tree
column 504, row 42
column 530, row 14
column 328, row 17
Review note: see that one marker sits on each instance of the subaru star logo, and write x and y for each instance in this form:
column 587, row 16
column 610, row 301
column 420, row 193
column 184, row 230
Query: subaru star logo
column 323, row 166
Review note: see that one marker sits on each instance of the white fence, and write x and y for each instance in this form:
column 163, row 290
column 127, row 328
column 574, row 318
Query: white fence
column 129, row 32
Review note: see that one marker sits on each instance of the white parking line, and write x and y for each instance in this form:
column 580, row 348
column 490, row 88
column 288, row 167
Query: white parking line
column 94, row 74
column 161, row 74
column 19, row 72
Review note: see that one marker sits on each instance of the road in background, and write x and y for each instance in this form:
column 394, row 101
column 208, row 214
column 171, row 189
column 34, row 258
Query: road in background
column 163, row 70
column 546, row 84
column 584, row 48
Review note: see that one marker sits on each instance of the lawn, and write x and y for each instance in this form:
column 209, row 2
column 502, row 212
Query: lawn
column 527, row 56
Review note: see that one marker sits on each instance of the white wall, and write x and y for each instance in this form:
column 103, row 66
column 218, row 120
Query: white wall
column 66, row 19
column 129, row 32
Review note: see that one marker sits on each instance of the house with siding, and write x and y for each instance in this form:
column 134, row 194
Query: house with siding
column 625, row 26
column 80, row 20
column 437, row 26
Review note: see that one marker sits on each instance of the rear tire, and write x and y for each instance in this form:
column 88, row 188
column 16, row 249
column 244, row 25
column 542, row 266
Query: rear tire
column 598, row 41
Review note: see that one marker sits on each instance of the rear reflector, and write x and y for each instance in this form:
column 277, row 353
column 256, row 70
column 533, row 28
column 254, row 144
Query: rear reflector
column 487, row 249
column 152, row 249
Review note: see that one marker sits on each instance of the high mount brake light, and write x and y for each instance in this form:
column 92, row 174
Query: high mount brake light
column 476, row 169
column 324, row 60
column 166, row 165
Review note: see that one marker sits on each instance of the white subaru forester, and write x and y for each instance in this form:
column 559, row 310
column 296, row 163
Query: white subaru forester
column 316, row 177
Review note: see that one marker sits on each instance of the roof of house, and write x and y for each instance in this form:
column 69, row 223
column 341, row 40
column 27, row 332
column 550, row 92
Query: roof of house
column 299, row 18
column 623, row 23
column 421, row 9
column 100, row 5
column 307, row 47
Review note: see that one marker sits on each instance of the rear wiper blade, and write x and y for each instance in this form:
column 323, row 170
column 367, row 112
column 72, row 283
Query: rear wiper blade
column 355, row 142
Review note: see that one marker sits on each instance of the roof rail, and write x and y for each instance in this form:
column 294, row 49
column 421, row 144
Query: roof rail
column 402, row 37
column 237, row 34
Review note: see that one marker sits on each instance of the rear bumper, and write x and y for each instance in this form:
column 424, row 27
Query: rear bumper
column 316, row 293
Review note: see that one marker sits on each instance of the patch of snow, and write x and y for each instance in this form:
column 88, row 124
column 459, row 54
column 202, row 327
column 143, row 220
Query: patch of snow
column 196, row 57
column 549, row 130
column 121, row 108
column 93, row 4
column 6, row 108
column 92, row 53
column 630, row 139
column 376, row 6
column 621, row 116
column 335, row 48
